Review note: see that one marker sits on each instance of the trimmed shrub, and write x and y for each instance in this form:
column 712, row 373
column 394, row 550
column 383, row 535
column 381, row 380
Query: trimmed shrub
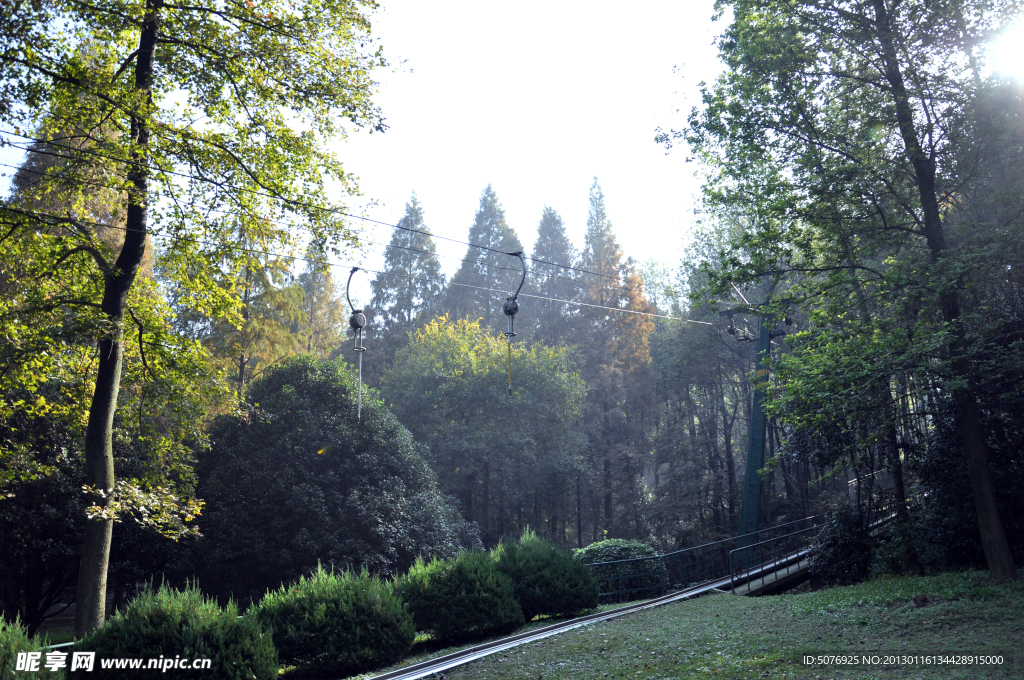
column 462, row 599
column 841, row 552
column 546, row 579
column 13, row 639
column 337, row 623
column 642, row 579
column 301, row 481
column 170, row 623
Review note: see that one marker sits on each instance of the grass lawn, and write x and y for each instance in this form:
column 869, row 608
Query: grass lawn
column 724, row 636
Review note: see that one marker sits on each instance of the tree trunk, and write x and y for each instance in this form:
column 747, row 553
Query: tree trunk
column 993, row 535
column 91, row 596
column 579, row 514
column 608, row 497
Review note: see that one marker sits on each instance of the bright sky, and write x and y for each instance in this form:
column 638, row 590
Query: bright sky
column 536, row 98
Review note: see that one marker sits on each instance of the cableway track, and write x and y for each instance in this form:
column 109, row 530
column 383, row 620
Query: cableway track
column 425, row 669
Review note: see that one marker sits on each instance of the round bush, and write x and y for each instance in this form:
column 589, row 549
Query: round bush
column 301, row 481
column 14, row 638
column 171, row 623
column 337, row 623
column 546, row 579
column 640, row 579
column 462, row 599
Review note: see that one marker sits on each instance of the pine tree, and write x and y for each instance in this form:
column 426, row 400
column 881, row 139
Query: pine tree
column 616, row 355
column 271, row 310
column 552, row 320
column 486, row 268
column 321, row 329
column 407, row 293
column 602, row 257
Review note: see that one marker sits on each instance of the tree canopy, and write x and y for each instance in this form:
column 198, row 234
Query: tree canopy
column 300, row 481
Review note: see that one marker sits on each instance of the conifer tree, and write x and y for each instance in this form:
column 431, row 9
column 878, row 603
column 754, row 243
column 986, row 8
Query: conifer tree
column 409, row 291
column 552, row 320
column 322, row 327
column 615, row 350
column 601, row 258
column 486, row 268
column 271, row 310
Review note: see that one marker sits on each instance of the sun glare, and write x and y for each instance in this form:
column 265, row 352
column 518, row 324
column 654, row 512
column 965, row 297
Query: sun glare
column 1006, row 56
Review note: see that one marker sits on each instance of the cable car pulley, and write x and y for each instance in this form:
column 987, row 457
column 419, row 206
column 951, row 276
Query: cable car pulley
column 510, row 308
column 357, row 321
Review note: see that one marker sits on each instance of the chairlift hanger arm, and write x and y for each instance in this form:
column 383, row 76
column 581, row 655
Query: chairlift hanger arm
column 523, row 280
column 349, row 286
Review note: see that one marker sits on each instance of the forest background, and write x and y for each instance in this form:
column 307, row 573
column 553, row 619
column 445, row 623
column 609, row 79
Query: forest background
column 864, row 199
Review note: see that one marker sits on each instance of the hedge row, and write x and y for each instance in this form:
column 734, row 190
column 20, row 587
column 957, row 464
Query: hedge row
column 331, row 624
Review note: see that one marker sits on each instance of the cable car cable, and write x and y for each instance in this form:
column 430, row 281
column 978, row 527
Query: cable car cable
column 342, row 265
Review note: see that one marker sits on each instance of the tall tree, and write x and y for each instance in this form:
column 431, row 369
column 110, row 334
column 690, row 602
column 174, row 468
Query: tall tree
column 271, row 310
column 321, row 329
column 511, row 459
column 126, row 82
column 552, row 320
column 850, row 118
column 486, row 267
column 615, row 347
column 410, row 289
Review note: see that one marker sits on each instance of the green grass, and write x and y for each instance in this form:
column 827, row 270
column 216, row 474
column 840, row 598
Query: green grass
column 723, row 636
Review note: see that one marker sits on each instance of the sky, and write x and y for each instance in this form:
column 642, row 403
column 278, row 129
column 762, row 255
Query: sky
column 536, row 99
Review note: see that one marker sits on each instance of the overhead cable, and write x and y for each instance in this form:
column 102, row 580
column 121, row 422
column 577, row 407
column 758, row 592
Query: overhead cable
column 374, row 271
column 277, row 198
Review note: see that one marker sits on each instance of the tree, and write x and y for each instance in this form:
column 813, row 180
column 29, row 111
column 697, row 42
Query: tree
column 299, row 482
column 321, row 328
column 126, row 83
column 409, row 291
column 271, row 310
column 510, row 459
column 617, row 358
column 487, row 267
column 848, row 125
column 552, row 320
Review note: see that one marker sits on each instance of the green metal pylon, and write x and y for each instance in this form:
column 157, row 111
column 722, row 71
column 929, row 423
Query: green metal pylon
column 750, row 509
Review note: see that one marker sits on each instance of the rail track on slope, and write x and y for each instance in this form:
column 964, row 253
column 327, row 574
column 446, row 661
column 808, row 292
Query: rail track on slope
column 425, row 669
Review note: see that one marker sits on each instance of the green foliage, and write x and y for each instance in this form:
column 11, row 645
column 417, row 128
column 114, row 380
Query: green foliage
column 546, row 578
column 841, row 552
column 944, row 518
column 449, row 386
column 42, row 518
column 552, row 321
column 14, row 638
column 612, row 549
column 300, row 481
column 337, row 623
column 486, row 268
column 168, row 622
column 463, row 599
column 410, row 289
column 643, row 575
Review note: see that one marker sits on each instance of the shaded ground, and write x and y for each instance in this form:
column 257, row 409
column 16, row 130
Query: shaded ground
column 724, row 636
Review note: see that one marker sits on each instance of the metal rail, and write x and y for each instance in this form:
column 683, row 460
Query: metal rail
column 426, row 668
column 660, row 574
column 781, row 551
